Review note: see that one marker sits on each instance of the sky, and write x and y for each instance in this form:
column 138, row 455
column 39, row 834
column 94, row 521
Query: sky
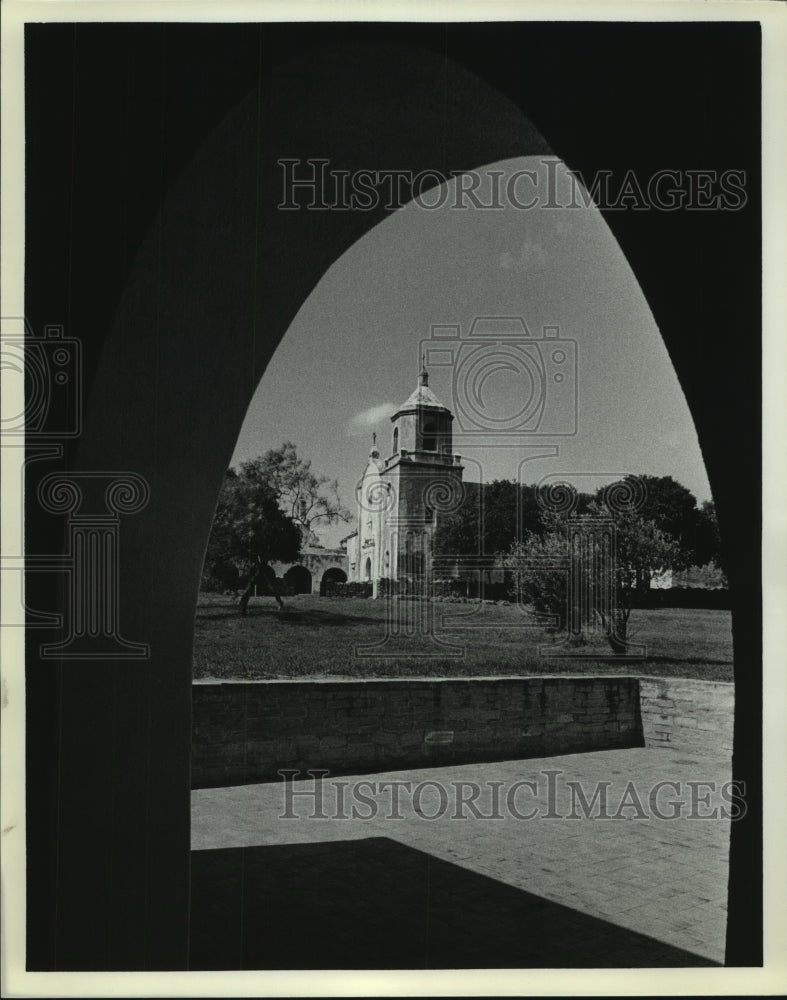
column 352, row 353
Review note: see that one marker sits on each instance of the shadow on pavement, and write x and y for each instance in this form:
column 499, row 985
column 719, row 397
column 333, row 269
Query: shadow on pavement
column 378, row 904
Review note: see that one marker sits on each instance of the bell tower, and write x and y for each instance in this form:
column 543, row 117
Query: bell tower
column 425, row 478
column 422, row 425
column 401, row 497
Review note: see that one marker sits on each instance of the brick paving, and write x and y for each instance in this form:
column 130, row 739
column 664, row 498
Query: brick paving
column 620, row 885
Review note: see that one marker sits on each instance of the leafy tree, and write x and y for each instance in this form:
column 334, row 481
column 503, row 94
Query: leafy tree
column 706, row 540
column 505, row 503
column 458, row 532
column 672, row 508
column 487, row 520
column 540, row 565
column 220, row 569
column 537, row 566
column 306, row 498
column 250, row 531
column 642, row 549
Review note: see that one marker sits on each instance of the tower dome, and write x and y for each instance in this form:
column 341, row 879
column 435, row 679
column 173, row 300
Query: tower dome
column 422, row 395
column 422, row 425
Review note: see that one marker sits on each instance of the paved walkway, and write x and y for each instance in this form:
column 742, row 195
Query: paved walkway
column 624, row 863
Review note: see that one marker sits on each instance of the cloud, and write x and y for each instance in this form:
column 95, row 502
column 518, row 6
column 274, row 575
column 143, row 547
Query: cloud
column 367, row 419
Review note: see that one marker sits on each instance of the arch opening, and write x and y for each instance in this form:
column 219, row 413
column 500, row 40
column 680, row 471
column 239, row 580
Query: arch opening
column 333, row 575
column 298, row 580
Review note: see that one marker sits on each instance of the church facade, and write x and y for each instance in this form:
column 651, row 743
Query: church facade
column 402, row 493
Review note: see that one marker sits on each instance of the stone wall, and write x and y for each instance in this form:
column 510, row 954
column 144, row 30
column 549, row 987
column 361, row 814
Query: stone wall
column 352, row 588
column 317, row 561
column 691, row 715
column 243, row 732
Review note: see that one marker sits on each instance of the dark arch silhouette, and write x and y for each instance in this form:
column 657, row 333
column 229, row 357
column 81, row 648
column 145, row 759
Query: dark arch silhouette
column 298, row 580
column 333, row 575
column 177, row 327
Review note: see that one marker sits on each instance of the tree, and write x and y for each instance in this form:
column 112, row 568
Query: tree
column 642, row 549
column 458, row 531
column 540, row 566
column 672, row 508
column 250, row 530
column 537, row 565
column 507, row 503
column 706, row 541
column 489, row 521
column 220, row 568
column 306, row 498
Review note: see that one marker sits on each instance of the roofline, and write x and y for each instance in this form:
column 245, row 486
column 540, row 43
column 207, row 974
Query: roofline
column 422, row 406
column 396, row 460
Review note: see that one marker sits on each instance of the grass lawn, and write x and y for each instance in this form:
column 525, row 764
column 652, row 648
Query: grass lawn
column 320, row 637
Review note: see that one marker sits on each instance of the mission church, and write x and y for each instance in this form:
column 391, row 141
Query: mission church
column 400, row 500
column 400, row 496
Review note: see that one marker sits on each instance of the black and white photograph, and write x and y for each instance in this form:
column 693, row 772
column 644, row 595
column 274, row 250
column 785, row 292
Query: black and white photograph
column 392, row 502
